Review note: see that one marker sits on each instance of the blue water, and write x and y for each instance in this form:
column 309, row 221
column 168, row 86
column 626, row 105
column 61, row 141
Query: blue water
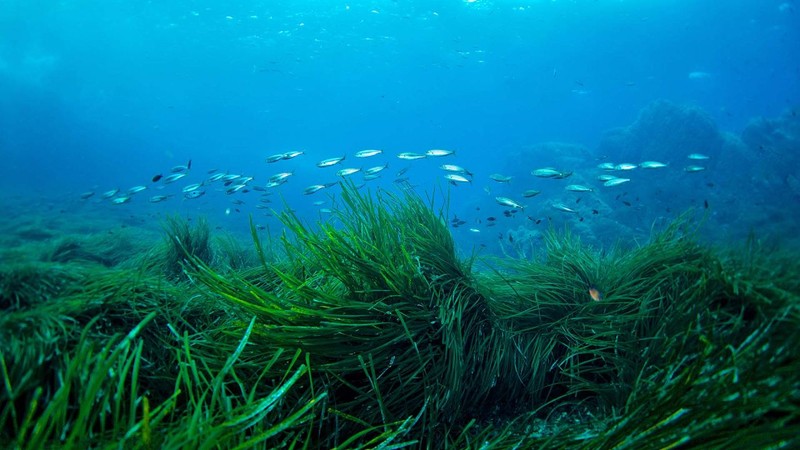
column 96, row 95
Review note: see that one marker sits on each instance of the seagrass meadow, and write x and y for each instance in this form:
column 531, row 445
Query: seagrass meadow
column 371, row 331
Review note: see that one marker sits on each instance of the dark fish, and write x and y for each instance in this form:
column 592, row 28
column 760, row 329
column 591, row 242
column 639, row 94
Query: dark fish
column 594, row 211
column 580, row 219
column 510, row 238
column 705, row 204
column 578, row 200
column 626, row 203
column 189, row 164
column 538, row 221
column 491, row 219
column 157, row 177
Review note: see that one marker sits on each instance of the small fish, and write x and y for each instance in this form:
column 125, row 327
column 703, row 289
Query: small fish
column 313, row 189
column 158, row 198
column 371, row 176
column 376, row 169
column 563, row 207
column 626, row 203
column 275, row 158
column 280, row 177
column 439, row 152
column 368, row 153
column 156, row 177
column 230, row 177
column 402, row 172
column 121, row 200
column 177, row 169
column 705, row 204
column 215, row 177
column 606, row 166
column 578, row 188
column 500, row 178
column 136, row 189
column 410, row 156
column 111, row 193
column 652, row 165
column 192, row 187
column 293, row 154
column 474, row 230
column 330, row 161
column 605, row 177
column 319, row 203
column 86, row 195
column 616, row 182
column 347, row 172
column 457, row 178
column 691, row 169
column 595, row 294
column 549, row 172
column 531, row 193
column 234, row 189
column 625, row 166
column 173, row 178
column 505, row 201
column 194, row 194
column 698, row 157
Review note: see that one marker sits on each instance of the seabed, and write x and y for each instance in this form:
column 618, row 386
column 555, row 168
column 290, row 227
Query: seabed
column 371, row 331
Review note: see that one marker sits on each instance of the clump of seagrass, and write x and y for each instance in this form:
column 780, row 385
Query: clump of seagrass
column 105, row 249
column 185, row 244
column 384, row 307
column 27, row 285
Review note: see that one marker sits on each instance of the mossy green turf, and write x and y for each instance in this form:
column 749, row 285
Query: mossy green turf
column 369, row 331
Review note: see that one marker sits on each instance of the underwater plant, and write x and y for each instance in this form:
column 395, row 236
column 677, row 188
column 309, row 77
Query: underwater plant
column 371, row 331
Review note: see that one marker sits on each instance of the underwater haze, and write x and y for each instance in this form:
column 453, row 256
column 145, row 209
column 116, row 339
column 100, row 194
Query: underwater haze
column 98, row 96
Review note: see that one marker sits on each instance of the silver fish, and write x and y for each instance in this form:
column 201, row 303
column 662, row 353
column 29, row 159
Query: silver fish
column 439, row 152
column 371, row 176
column 456, row 178
column 563, row 207
column 158, row 198
column 275, row 158
column 121, row 200
column 173, row 178
column 549, row 172
column 293, row 154
column 454, row 168
column 86, row 195
column 215, row 177
column 330, row 162
column 177, row 169
column 531, row 193
column 136, row 189
column 376, row 169
column 652, row 165
column 410, row 156
column 230, row 177
column 313, row 189
column 235, row 188
column 192, row 187
column 111, row 193
column 605, row 177
column 578, row 188
column 368, row 153
column 691, row 169
column 625, row 166
column 616, row 182
column 698, row 156
column 347, row 172
column 280, row 177
column 500, row 178
column 194, row 194
column 505, row 201
column 606, row 166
